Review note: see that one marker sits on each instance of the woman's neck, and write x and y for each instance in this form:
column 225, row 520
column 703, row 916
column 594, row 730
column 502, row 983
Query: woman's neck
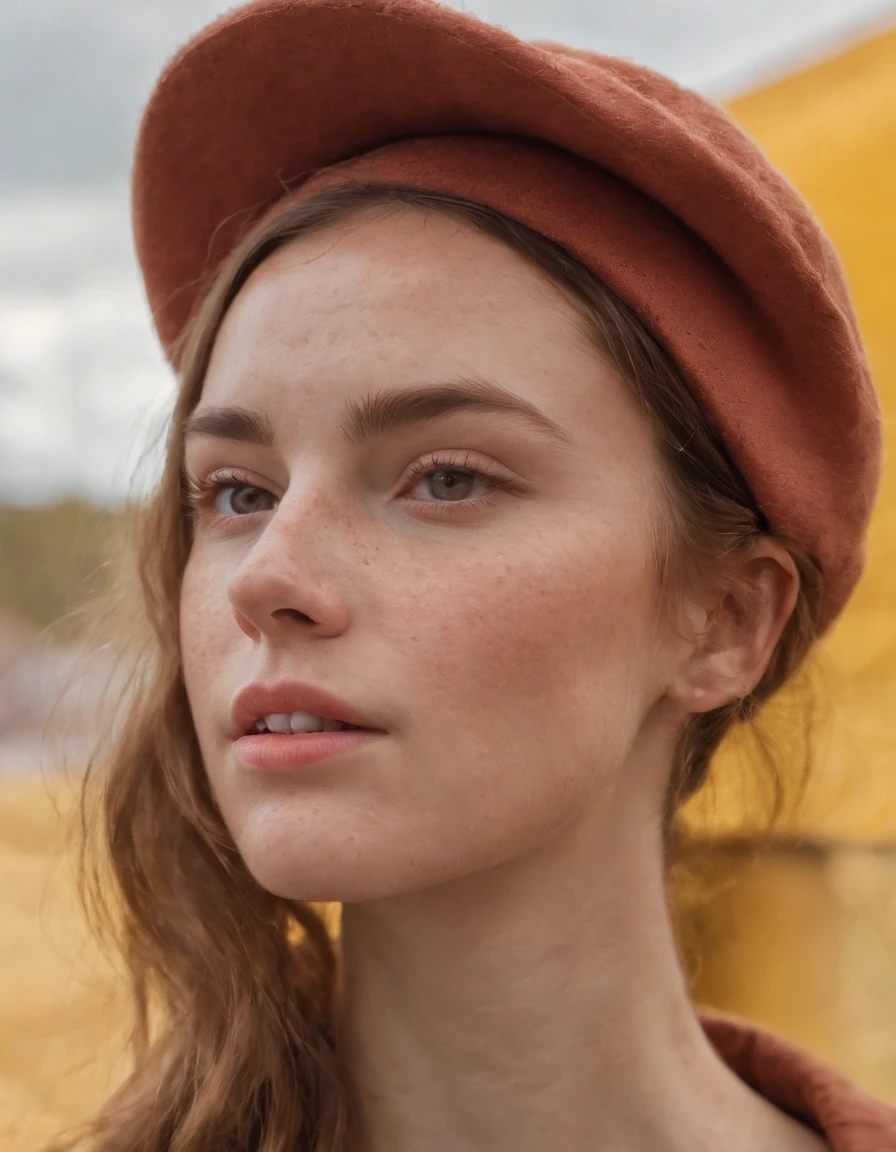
column 514, row 1011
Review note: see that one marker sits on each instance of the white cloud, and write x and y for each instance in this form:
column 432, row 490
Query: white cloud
column 81, row 375
column 716, row 46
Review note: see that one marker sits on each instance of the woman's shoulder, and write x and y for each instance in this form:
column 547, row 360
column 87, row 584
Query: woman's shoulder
column 850, row 1118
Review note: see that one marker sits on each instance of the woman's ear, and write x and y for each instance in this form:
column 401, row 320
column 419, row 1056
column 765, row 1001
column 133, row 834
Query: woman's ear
column 737, row 624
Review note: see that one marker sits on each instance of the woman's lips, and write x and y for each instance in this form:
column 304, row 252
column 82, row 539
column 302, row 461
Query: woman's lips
column 261, row 699
column 272, row 751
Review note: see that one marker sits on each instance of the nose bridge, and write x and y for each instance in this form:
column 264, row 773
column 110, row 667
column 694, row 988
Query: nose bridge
column 288, row 569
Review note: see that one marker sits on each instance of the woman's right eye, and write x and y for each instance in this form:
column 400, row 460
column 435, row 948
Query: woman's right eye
column 242, row 500
column 225, row 495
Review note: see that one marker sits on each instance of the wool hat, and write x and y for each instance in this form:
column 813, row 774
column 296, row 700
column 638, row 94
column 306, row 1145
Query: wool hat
column 648, row 184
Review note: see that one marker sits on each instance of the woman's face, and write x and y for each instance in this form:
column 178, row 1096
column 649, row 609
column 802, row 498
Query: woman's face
column 498, row 621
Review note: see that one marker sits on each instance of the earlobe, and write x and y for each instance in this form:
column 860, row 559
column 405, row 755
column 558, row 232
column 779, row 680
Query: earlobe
column 741, row 629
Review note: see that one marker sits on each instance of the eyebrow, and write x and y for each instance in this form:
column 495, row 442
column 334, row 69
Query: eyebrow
column 379, row 413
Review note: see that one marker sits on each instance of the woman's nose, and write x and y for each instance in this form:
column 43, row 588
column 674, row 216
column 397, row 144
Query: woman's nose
column 277, row 592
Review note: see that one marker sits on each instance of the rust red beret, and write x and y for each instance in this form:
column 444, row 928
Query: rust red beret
column 648, row 184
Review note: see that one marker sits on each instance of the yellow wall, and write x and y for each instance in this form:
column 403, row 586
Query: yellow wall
column 802, row 940
column 832, row 130
column 62, row 1012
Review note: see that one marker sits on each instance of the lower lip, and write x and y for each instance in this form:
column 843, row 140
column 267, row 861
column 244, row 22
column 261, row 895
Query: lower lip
column 278, row 752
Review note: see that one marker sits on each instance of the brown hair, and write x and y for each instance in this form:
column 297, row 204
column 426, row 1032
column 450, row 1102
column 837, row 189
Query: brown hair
column 240, row 1054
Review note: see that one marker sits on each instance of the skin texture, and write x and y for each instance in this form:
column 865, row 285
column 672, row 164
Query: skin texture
column 511, row 980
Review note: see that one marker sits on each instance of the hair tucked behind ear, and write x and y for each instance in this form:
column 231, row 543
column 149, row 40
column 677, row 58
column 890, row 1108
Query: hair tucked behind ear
column 234, row 989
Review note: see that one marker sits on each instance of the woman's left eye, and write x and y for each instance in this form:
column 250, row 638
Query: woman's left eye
column 453, row 480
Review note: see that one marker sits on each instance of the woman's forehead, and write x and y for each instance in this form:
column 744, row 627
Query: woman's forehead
column 428, row 264
column 401, row 298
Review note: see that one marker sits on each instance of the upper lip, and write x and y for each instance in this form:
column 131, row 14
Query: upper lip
column 259, row 699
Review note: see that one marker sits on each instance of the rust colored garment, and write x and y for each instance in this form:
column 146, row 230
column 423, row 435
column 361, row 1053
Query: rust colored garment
column 799, row 1083
column 649, row 185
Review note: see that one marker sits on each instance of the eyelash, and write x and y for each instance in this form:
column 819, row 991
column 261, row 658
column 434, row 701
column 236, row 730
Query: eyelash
column 201, row 495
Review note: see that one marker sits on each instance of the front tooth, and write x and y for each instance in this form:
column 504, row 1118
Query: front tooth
column 277, row 722
column 304, row 722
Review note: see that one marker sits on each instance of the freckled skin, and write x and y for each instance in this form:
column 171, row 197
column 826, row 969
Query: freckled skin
column 510, row 650
column 509, row 976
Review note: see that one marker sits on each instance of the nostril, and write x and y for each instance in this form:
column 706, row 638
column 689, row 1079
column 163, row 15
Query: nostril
column 292, row 614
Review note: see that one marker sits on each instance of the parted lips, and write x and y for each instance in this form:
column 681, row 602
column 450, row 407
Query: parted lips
column 649, row 185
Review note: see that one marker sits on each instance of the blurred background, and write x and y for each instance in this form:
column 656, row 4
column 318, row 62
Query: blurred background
column 795, row 928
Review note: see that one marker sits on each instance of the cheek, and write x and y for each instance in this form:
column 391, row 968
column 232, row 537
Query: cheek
column 206, row 637
column 531, row 676
column 539, row 622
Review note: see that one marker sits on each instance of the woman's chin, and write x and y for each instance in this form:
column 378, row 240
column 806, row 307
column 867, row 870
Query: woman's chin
column 323, row 875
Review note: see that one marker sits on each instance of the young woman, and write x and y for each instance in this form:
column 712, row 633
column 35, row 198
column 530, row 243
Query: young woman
column 524, row 444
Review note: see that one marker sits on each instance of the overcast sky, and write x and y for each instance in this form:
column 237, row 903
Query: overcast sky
column 81, row 378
